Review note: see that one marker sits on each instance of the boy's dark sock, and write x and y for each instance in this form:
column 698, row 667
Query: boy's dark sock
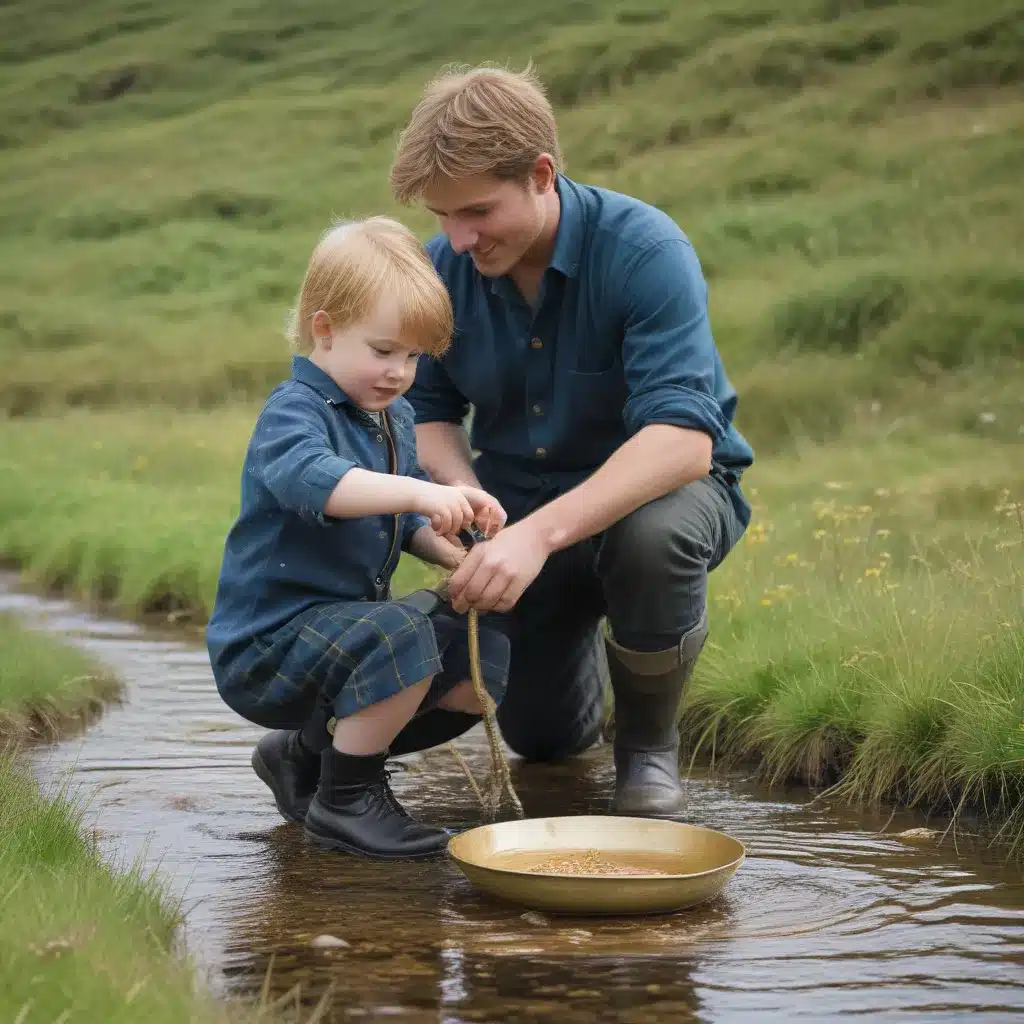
column 289, row 770
column 355, row 811
column 313, row 737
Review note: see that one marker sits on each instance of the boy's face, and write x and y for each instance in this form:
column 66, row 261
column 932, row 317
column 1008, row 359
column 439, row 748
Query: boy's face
column 496, row 222
column 369, row 361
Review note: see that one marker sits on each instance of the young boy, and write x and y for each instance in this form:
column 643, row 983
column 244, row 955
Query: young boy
column 304, row 637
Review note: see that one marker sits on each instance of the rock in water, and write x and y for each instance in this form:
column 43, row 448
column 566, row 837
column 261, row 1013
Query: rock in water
column 918, row 835
column 532, row 917
column 328, row 942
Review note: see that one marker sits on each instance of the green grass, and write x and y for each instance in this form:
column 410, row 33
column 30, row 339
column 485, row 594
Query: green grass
column 81, row 939
column 120, row 508
column 46, row 688
column 849, row 172
column 85, row 941
column 869, row 633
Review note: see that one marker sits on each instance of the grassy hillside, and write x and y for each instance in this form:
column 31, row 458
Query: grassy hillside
column 848, row 169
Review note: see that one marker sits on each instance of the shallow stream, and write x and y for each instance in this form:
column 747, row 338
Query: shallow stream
column 830, row 916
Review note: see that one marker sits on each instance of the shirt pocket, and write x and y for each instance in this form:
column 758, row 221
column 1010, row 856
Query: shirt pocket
column 596, row 402
column 598, row 397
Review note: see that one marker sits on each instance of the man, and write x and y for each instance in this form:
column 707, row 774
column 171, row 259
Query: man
column 602, row 418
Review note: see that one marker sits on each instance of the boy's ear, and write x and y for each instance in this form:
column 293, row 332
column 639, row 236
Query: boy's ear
column 321, row 328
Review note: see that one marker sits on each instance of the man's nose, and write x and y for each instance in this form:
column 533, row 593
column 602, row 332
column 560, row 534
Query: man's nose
column 462, row 239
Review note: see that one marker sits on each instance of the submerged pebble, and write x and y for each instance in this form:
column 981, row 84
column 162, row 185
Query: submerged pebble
column 328, row 942
column 532, row 917
column 918, row 835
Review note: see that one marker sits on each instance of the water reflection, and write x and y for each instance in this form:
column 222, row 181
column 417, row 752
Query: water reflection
column 828, row 916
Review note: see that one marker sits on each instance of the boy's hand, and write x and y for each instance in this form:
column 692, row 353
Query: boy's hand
column 447, row 508
column 488, row 514
column 427, row 545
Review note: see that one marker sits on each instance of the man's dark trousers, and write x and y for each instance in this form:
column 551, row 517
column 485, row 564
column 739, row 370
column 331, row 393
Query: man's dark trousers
column 648, row 575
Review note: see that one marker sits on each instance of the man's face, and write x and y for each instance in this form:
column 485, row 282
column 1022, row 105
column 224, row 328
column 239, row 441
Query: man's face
column 495, row 221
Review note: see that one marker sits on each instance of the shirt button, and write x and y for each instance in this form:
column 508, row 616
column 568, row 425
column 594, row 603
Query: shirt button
column 541, row 452
column 536, row 343
column 380, row 438
column 537, row 410
column 383, row 534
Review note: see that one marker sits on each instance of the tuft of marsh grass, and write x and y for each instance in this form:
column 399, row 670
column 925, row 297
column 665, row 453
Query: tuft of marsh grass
column 89, row 941
column 47, row 689
column 82, row 938
column 874, row 645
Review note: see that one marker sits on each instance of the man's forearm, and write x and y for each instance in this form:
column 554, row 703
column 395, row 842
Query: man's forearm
column 444, row 452
column 656, row 460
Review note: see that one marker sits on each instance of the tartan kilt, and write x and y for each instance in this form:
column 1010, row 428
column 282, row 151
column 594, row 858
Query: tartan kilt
column 349, row 655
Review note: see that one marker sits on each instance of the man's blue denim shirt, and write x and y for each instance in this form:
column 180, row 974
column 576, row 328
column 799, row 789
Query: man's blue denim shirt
column 620, row 338
column 283, row 553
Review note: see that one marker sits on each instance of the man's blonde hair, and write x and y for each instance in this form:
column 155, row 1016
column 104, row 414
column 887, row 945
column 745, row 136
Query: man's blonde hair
column 482, row 120
column 357, row 262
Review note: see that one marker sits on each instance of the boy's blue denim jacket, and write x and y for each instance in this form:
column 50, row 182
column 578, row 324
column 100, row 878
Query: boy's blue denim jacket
column 283, row 554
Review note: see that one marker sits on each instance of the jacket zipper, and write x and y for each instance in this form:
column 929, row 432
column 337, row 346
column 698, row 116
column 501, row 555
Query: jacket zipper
column 392, row 468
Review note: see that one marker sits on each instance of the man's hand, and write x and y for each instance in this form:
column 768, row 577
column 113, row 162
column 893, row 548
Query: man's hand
column 493, row 575
column 429, row 547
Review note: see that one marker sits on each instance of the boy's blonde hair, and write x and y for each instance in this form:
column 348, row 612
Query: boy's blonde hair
column 482, row 120
column 354, row 264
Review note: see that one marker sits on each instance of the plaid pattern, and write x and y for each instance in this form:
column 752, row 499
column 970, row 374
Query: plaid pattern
column 349, row 655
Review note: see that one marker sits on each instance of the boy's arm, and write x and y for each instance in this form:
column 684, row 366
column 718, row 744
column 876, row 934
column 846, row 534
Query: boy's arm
column 365, row 492
column 413, row 521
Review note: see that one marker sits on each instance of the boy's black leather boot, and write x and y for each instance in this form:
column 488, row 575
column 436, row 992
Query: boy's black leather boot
column 355, row 811
column 290, row 769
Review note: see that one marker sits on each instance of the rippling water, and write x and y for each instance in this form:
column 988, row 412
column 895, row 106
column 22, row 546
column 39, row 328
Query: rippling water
column 829, row 916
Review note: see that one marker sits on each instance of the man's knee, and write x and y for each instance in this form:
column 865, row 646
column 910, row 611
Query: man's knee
column 655, row 562
column 554, row 739
column 670, row 534
column 554, row 704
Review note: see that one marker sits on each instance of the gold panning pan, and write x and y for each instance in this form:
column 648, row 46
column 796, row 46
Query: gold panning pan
column 598, row 864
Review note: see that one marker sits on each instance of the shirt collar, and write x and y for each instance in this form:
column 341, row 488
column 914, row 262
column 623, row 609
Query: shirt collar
column 307, row 372
column 569, row 237
column 565, row 257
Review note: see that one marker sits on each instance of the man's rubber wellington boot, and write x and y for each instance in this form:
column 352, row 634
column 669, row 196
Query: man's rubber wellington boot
column 648, row 687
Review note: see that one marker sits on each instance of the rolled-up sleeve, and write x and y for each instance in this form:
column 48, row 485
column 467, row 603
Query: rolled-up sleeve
column 668, row 350
column 293, row 455
column 433, row 396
